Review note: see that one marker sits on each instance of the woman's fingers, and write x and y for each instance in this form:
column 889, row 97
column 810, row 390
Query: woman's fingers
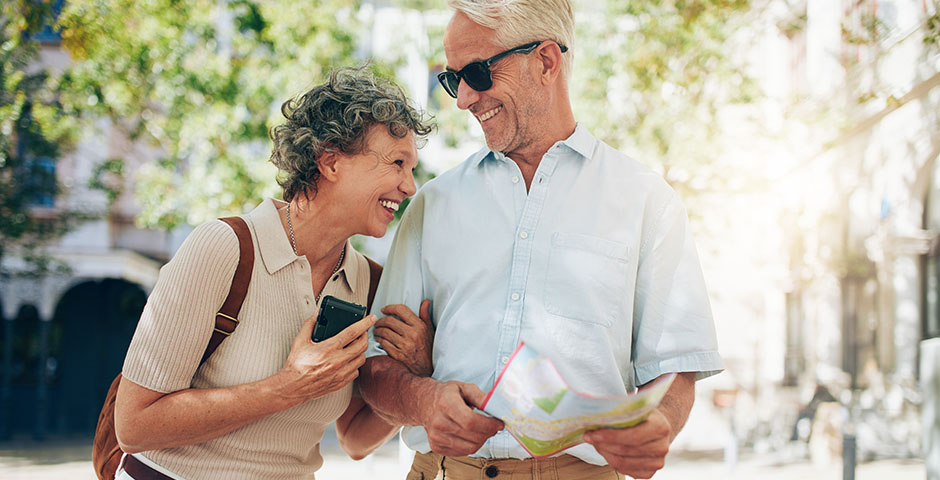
column 350, row 333
column 306, row 331
column 425, row 313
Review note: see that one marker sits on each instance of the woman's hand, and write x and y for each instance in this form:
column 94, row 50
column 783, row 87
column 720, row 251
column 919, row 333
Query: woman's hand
column 316, row 369
column 149, row 420
column 408, row 338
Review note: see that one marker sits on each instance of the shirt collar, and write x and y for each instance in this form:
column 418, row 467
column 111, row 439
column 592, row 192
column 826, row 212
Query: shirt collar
column 273, row 244
column 351, row 266
column 581, row 141
column 275, row 248
column 484, row 154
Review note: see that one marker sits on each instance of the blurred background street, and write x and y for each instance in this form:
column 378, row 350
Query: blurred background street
column 802, row 135
column 70, row 460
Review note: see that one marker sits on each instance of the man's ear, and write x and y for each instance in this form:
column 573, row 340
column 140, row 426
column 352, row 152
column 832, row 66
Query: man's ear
column 328, row 164
column 550, row 58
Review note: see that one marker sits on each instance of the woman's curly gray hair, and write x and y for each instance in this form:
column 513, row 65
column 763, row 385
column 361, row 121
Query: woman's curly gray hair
column 335, row 117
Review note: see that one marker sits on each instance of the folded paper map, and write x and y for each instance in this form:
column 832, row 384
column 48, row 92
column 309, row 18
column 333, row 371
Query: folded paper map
column 546, row 416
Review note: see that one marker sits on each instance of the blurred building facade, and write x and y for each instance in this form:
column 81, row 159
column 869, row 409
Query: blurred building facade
column 846, row 319
column 862, row 292
column 64, row 335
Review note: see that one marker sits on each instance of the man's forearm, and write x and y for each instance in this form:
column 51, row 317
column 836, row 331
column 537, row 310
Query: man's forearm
column 677, row 403
column 394, row 392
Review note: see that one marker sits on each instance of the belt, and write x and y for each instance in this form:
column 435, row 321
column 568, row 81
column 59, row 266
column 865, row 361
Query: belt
column 430, row 465
column 141, row 471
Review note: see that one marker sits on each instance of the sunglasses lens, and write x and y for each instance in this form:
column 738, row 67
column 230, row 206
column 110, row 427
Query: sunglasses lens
column 450, row 81
column 477, row 76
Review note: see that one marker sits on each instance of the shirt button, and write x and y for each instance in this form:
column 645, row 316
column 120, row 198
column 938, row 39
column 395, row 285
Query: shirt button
column 523, row 235
column 515, row 179
column 307, row 299
column 515, row 297
column 492, row 471
column 505, row 359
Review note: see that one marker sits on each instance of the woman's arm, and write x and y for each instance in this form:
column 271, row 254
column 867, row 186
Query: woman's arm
column 148, row 420
column 361, row 431
column 408, row 339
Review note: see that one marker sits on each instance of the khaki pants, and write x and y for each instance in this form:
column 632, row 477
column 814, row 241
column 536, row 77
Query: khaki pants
column 431, row 466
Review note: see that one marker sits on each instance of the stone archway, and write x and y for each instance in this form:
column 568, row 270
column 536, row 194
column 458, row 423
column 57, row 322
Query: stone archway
column 20, row 370
column 6, row 363
column 91, row 329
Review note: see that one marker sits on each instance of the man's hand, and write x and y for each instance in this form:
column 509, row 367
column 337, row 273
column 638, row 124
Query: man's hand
column 640, row 451
column 453, row 428
column 407, row 338
column 637, row 451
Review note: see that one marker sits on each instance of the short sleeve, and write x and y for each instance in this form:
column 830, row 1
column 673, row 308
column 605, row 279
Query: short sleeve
column 179, row 317
column 402, row 278
column 673, row 329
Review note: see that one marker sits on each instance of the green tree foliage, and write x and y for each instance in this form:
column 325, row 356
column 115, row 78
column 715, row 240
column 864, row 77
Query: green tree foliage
column 652, row 76
column 932, row 37
column 33, row 134
column 202, row 80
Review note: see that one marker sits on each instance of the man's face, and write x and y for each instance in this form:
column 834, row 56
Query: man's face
column 507, row 110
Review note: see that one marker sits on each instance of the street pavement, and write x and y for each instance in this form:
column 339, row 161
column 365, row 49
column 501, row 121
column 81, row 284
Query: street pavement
column 70, row 460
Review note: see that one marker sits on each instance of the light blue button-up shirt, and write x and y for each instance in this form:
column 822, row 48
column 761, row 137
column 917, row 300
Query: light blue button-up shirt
column 594, row 267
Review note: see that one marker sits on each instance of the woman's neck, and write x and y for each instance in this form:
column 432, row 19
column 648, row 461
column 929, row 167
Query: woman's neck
column 318, row 234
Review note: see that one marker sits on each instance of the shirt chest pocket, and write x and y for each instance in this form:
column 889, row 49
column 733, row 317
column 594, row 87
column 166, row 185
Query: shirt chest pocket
column 586, row 278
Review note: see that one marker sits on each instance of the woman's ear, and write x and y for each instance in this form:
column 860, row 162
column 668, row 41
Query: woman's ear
column 328, row 165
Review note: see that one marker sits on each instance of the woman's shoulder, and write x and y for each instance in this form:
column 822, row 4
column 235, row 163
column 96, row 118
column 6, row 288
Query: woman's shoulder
column 214, row 232
column 213, row 242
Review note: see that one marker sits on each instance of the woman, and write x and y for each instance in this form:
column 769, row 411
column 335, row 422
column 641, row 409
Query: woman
column 257, row 408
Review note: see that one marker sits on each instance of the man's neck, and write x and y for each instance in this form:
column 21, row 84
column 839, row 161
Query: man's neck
column 528, row 159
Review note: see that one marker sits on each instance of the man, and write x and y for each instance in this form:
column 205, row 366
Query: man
column 548, row 236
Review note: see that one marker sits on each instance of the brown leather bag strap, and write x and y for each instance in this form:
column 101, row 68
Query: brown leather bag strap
column 375, row 273
column 227, row 318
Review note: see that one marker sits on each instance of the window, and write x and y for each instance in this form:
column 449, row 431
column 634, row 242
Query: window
column 49, row 33
column 931, row 290
column 930, row 263
column 41, row 182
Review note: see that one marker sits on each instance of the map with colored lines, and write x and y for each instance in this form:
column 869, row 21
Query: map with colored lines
column 545, row 416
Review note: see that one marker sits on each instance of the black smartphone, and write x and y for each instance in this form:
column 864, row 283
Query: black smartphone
column 334, row 316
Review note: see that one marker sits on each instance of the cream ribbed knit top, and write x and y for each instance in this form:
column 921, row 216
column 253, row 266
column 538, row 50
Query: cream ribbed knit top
column 177, row 322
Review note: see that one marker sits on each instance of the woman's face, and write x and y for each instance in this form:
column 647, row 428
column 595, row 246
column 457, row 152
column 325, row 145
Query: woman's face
column 373, row 183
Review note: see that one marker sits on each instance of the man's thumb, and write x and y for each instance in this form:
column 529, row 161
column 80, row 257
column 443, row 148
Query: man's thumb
column 472, row 394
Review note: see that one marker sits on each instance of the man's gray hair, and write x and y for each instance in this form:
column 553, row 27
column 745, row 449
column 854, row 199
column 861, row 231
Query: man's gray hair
column 518, row 22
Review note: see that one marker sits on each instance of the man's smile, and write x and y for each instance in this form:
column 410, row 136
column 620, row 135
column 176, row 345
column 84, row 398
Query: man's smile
column 489, row 114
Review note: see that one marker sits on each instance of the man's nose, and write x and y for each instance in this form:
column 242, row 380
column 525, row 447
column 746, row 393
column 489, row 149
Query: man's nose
column 466, row 96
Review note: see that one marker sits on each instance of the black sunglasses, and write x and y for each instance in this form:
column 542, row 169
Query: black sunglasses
column 477, row 74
